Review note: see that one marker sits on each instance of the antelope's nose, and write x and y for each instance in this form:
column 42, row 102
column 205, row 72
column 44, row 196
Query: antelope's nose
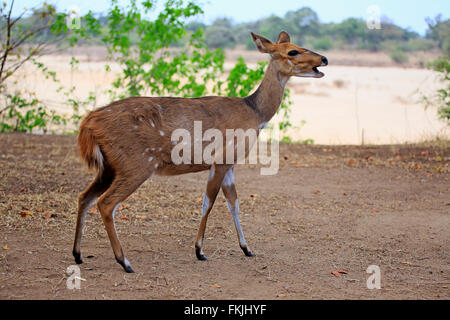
column 324, row 61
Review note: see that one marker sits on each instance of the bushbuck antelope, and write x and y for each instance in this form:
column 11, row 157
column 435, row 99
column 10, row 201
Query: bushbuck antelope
column 129, row 140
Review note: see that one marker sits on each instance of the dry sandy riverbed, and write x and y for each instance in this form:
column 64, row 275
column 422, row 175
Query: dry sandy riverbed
column 350, row 105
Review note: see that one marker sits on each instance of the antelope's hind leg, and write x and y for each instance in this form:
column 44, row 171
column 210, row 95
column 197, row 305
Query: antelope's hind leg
column 229, row 191
column 215, row 179
column 85, row 201
column 121, row 188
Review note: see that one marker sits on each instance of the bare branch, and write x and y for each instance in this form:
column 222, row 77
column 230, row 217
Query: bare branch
column 8, row 40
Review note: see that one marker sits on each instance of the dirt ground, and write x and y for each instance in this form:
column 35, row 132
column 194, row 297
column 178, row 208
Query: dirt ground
column 329, row 208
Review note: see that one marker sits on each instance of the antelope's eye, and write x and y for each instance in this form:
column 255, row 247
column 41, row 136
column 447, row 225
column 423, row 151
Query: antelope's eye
column 293, row 53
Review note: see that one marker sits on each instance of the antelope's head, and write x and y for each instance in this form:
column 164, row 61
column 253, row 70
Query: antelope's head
column 290, row 59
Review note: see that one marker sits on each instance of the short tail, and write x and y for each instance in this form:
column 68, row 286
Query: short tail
column 89, row 149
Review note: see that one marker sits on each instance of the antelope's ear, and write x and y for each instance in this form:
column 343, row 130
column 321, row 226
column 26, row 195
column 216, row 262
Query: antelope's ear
column 263, row 45
column 284, row 37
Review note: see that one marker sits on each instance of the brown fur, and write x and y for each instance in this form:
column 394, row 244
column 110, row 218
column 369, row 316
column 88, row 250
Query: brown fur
column 130, row 140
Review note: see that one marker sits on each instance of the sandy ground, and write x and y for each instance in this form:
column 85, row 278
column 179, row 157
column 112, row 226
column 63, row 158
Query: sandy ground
column 329, row 208
column 364, row 97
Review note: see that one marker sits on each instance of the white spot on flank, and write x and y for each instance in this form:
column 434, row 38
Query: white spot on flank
column 161, row 132
column 152, row 124
column 159, row 149
column 153, row 149
column 156, row 165
column 150, row 159
column 147, row 149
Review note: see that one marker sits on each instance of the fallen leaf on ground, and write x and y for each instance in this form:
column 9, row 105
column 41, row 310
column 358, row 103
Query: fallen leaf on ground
column 199, row 200
column 26, row 213
column 214, row 286
column 339, row 273
column 5, row 247
column 46, row 215
column 124, row 218
column 141, row 217
column 317, row 192
column 351, row 162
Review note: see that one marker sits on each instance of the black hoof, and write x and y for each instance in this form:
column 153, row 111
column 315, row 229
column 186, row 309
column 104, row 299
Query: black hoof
column 199, row 254
column 126, row 266
column 247, row 252
column 78, row 258
column 128, row 269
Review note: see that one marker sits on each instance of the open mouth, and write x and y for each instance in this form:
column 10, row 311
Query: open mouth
column 317, row 73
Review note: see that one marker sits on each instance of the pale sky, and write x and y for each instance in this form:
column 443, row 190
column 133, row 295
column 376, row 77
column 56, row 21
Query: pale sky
column 405, row 13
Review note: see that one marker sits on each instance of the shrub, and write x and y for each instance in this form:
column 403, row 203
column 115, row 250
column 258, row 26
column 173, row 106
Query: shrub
column 398, row 56
column 441, row 98
column 219, row 37
column 322, row 44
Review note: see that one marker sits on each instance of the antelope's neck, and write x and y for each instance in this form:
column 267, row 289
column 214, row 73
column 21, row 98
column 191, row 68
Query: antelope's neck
column 268, row 97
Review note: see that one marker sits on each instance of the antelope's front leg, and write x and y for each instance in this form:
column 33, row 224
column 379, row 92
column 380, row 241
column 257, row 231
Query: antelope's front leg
column 215, row 179
column 229, row 190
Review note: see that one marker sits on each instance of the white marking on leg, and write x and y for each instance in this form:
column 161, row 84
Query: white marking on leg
column 211, row 173
column 86, row 209
column 235, row 214
column 228, row 180
column 114, row 217
column 83, row 218
column 205, row 205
